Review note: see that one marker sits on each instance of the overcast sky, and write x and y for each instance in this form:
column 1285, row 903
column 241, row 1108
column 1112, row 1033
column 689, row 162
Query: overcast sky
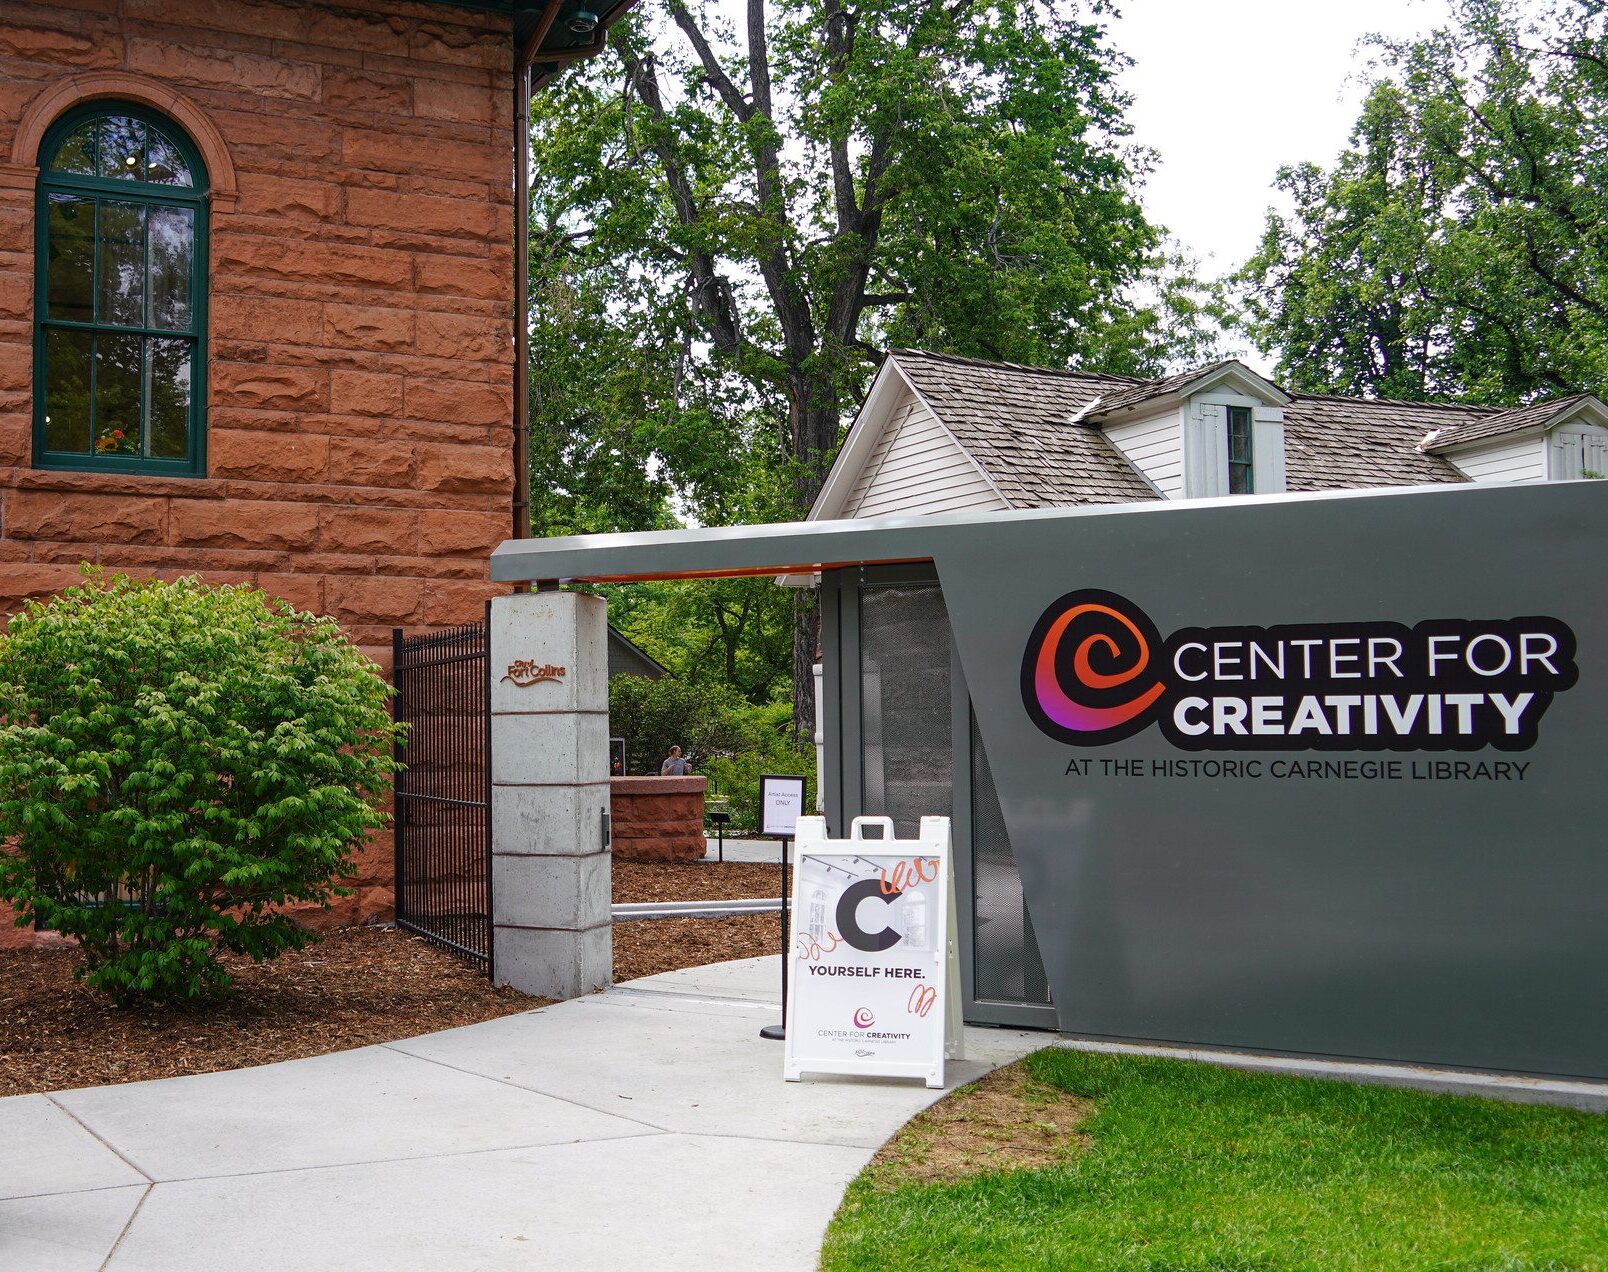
column 1225, row 91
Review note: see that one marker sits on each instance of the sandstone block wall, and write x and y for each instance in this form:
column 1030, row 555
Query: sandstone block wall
column 658, row 818
column 359, row 344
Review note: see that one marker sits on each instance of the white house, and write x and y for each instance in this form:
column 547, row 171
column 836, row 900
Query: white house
column 945, row 434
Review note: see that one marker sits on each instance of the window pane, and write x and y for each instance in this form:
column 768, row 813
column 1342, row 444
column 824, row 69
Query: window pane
column 77, row 150
column 122, row 264
column 67, row 391
column 172, row 242
column 163, row 163
column 70, row 258
column 1239, row 435
column 118, row 384
column 122, row 147
column 170, row 398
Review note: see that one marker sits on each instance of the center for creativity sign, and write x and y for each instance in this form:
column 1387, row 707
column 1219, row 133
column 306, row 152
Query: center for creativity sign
column 1097, row 671
column 874, row 985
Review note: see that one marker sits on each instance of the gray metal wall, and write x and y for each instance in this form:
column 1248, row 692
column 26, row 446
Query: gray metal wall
column 1454, row 922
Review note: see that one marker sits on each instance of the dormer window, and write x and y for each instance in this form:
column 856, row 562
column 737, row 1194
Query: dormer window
column 1240, row 451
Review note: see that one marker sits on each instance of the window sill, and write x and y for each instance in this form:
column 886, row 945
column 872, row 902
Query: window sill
column 70, row 479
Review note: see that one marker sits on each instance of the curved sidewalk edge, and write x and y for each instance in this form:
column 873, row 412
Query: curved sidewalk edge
column 647, row 1125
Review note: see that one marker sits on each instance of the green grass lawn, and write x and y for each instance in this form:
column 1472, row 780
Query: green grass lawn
column 1189, row 1166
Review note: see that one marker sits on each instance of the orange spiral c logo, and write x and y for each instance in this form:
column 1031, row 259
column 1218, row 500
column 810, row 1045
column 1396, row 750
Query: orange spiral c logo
column 1086, row 674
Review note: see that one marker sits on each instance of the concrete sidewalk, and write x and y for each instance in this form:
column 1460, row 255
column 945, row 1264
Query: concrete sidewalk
column 647, row 1126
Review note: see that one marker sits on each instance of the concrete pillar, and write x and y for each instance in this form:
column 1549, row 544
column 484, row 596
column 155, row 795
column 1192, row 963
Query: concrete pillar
column 551, row 929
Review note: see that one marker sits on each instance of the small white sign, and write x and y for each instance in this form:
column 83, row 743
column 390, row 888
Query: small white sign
column 781, row 804
column 874, row 973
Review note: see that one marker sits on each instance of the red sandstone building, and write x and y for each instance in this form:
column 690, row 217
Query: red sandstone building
column 257, row 293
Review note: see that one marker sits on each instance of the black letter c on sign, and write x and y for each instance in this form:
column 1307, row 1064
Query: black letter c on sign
column 848, row 924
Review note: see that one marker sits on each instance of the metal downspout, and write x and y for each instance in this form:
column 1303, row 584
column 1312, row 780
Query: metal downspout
column 521, row 508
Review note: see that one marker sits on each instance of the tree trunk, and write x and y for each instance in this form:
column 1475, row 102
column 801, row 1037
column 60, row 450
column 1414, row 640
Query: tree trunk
column 806, row 640
column 814, row 418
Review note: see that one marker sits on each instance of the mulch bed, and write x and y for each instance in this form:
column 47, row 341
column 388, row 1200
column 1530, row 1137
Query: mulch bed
column 356, row 987
column 638, row 881
column 646, row 947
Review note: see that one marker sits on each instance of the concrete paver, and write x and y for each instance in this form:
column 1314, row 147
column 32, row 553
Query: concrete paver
column 747, row 850
column 70, row 1232
column 354, row 1106
column 60, row 1157
column 593, row 1069
column 596, row 1206
column 647, row 1126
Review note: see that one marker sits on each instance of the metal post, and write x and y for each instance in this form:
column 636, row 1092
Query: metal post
column 491, row 909
column 777, row 1032
column 398, row 804
column 521, row 509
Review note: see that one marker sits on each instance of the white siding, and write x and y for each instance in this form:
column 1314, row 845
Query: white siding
column 1205, row 450
column 1156, row 448
column 917, row 466
column 1578, row 450
column 1267, row 450
column 1508, row 460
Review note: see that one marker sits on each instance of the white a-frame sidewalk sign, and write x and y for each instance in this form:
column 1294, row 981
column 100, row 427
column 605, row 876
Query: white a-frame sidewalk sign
column 875, row 973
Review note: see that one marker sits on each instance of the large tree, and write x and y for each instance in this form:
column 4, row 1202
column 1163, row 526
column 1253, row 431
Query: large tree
column 730, row 219
column 1458, row 247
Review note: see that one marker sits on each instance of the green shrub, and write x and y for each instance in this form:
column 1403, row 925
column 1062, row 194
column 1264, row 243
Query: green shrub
column 177, row 762
column 654, row 715
column 734, row 781
column 726, row 737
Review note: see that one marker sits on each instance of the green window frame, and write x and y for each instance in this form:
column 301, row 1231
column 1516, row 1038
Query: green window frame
column 1241, row 478
column 120, row 295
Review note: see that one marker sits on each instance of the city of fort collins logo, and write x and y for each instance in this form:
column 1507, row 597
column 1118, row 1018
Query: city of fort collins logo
column 1096, row 670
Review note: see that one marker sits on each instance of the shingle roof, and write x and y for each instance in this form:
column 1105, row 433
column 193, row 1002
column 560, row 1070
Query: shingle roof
column 1492, row 423
column 1150, row 390
column 1015, row 421
column 1337, row 443
column 1026, row 428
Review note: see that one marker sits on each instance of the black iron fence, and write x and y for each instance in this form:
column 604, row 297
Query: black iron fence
column 443, row 793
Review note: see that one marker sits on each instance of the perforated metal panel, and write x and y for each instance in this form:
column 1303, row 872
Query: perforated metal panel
column 907, row 759
column 1005, row 953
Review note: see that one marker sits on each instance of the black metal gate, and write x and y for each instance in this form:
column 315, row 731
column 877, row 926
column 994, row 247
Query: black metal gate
column 443, row 793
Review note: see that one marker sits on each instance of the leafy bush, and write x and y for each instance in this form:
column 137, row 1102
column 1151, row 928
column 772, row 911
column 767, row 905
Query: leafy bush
column 727, row 738
column 654, row 715
column 177, row 761
column 734, row 779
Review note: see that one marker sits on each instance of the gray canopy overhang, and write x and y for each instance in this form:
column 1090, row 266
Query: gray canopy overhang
column 805, row 547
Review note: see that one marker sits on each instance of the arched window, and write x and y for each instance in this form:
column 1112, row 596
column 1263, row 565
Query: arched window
column 120, row 294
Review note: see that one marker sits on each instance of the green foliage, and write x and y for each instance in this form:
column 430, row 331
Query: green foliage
column 728, row 226
column 177, row 761
column 731, row 632
column 724, row 231
column 1200, row 1167
column 726, row 738
column 734, row 779
column 654, row 715
column 1458, row 248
